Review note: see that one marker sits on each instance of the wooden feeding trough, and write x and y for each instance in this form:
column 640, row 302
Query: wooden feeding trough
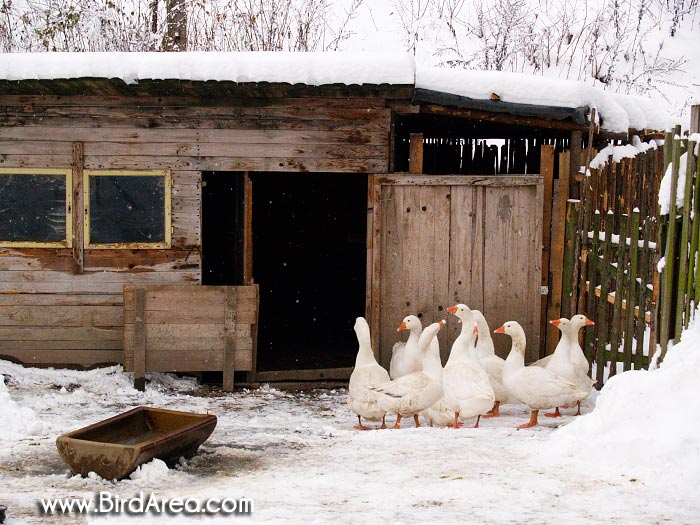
column 115, row 447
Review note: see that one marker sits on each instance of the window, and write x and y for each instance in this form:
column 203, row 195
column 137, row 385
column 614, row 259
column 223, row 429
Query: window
column 127, row 209
column 35, row 208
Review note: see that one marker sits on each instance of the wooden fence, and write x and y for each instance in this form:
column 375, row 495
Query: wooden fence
column 630, row 265
column 680, row 235
column 609, row 261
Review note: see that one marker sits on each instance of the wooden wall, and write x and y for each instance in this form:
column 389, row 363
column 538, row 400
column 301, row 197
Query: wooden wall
column 49, row 314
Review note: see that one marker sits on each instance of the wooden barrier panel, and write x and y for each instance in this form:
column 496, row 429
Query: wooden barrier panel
column 171, row 328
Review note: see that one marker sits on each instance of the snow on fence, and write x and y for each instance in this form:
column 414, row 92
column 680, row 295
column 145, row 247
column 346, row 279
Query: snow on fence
column 679, row 233
column 609, row 259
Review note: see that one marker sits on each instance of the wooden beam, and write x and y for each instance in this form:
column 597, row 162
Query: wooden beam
column 547, row 172
column 415, row 162
column 78, row 209
column 140, row 339
column 536, row 122
column 305, row 375
column 556, row 261
column 229, row 337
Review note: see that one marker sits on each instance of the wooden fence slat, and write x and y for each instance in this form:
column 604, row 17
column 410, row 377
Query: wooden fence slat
column 632, row 291
column 682, row 281
column 692, row 287
column 602, row 325
column 616, row 332
column 229, row 338
column 592, row 270
column 140, row 339
column 547, row 172
column 569, row 277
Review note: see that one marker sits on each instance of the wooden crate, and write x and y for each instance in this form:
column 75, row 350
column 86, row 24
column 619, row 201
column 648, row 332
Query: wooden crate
column 171, row 328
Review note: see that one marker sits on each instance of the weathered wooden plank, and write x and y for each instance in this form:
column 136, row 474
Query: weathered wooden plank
column 415, row 161
column 13, row 345
column 454, row 180
column 60, row 315
column 569, row 275
column 560, row 192
column 53, row 333
column 60, row 300
column 61, row 357
column 305, row 375
column 139, row 341
column 197, row 149
column 547, row 171
column 78, row 206
column 466, row 250
column 393, row 304
column 229, row 337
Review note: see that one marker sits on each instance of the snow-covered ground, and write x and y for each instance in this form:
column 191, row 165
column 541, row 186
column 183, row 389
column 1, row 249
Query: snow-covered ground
column 297, row 455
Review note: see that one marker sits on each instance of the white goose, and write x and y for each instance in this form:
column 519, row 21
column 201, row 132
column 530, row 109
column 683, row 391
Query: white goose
column 568, row 360
column 405, row 357
column 537, row 387
column 491, row 363
column 409, row 394
column 466, row 387
column 366, row 374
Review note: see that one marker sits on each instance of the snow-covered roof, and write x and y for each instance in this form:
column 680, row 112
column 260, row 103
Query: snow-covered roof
column 616, row 113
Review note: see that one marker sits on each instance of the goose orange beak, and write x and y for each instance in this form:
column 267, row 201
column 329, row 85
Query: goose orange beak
column 555, row 322
column 476, row 330
column 452, row 309
column 589, row 322
column 500, row 330
column 402, row 326
column 442, row 323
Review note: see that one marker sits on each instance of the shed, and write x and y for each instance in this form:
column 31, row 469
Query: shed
column 339, row 184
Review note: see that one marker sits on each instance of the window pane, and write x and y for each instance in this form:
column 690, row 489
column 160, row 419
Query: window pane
column 127, row 209
column 32, row 208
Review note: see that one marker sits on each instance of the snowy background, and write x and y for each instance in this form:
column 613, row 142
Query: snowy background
column 639, row 47
column 635, row 458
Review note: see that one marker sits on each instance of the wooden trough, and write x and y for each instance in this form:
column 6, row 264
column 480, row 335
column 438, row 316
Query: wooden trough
column 115, row 447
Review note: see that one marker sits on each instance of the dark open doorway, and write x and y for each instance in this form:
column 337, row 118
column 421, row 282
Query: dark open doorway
column 309, row 258
column 222, row 228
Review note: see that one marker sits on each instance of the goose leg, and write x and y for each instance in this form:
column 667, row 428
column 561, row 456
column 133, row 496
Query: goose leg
column 415, row 419
column 398, row 421
column 359, row 425
column 578, row 412
column 457, row 423
column 494, row 412
column 556, row 413
column 476, row 425
column 383, row 422
column 533, row 420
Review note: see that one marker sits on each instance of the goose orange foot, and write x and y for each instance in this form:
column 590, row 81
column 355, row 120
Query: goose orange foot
column 359, row 425
column 533, row 420
column 398, row 421
column 494, row 412
column 556, row 413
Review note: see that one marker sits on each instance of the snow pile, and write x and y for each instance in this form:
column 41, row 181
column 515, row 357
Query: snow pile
column 617, row 113
column 665, row 187
column 644, row 425
column 644, row 113
column 617, row 153
column 152, row 472
column 17, row 422
column 313, row 69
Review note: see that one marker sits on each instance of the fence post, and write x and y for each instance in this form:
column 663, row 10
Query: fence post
column 665, row 320
column 593, row 264
column 602, row 326
column 572, row 214
column 632, row 292
column 616, row 332
column 681, row 320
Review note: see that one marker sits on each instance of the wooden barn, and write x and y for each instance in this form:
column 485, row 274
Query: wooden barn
column 236, row 212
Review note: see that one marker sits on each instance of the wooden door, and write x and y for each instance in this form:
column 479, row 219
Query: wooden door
column 440, row 240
